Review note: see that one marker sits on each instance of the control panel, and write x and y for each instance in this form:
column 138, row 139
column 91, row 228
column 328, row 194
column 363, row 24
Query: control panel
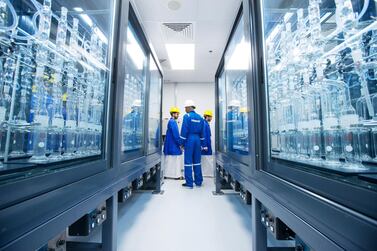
column 277, row 227
column 124, row 194
column 87, row 223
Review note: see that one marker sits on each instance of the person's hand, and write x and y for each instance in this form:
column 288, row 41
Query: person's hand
column 182, row 148
column 205, row 148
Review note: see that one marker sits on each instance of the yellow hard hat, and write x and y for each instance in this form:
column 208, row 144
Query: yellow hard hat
column 208, row 113
column 243, row 109
column 174, row 109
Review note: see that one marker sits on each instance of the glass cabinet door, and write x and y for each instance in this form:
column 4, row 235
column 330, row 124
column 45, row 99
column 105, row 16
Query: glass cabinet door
column 234, row 88
column 321, row 69
column 154, row 119
column 54, row 74
column 222, row 113
column 134, row 93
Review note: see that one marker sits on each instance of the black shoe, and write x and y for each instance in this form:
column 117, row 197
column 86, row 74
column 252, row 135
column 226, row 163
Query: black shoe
column 185, row 185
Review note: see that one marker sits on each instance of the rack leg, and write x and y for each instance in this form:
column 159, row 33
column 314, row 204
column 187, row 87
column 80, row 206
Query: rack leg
column 109, row 227
column 259, row 230
column 159, row 177
column 217, row 183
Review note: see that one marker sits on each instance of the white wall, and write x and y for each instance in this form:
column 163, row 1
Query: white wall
column 175, row 95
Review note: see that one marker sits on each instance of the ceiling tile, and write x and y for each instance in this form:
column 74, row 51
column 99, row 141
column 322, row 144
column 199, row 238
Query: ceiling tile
column 213, row 20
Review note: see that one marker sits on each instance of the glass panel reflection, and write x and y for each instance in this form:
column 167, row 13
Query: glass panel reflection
column 222, row 113
column 134, row 93
column 236, row 66
column 54, row 71
column 321, row 69
column 154, row 108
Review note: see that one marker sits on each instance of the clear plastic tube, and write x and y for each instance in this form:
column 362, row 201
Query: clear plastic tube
column 14, row 17
column 363, row 10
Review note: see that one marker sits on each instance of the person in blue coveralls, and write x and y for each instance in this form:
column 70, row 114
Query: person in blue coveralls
column 172, row 148
column 232, row 121
column 193, row 141
column 133, row 127
column 207, row 159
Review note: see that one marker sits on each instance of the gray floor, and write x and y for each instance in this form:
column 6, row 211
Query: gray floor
column 183, row 219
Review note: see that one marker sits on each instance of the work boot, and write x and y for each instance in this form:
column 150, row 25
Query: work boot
column 187, row 186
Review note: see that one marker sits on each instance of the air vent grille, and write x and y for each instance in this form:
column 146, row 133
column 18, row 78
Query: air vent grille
column 178, row 32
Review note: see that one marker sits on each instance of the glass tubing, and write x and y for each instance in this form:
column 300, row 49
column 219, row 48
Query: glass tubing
column 49, row 111
column 318, row 123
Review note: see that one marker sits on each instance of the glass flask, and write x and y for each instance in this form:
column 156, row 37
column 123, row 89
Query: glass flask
column 365, row 143
column 70, row 128
column 331, row 127
column 20, row 126
column 57, row 120
column 41, row 119
column 351, row 147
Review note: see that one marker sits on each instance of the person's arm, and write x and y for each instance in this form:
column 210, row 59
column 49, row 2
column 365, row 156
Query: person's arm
column 175, row 132
column 203, row 136
column 184, row 129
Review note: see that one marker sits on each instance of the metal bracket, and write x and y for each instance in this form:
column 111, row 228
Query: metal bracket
column 214, row 193
column 77, row 246
column 161, row 192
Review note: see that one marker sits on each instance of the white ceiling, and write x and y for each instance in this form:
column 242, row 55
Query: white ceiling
column 213, row 20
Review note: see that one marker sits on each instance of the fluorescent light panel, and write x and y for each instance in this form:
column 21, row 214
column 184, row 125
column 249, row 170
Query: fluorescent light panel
column 84, row 17
column 324, row 17
column 288, row 16
column 239, row 58
column 101, row 35
column 89, row 22
column 134, row 50
column 181, row 56
column 274, row 33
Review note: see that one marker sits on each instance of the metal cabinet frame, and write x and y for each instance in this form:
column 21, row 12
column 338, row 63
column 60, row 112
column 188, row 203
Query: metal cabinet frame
column 56, row 175
column 39, row 208
column 241, row 165
column 325, row 213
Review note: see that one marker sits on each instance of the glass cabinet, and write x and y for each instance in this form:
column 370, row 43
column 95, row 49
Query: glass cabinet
column 54, row 76
column 321, row 75
column 222, row 113
column 154, row 114
column 134, row 93
column 232, row 89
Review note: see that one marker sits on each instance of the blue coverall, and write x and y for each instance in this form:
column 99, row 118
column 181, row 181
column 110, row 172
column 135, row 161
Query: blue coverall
column 192, row 136
column 207, row 136
column 133, row 125
column 232, row 119
column 172, row 140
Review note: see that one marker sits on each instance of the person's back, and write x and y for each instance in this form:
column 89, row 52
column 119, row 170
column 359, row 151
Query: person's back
column 192, row 135
column 193, row 124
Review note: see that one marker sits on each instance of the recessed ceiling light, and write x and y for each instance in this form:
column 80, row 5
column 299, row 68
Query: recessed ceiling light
column 174, row 5
column 181, row 56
